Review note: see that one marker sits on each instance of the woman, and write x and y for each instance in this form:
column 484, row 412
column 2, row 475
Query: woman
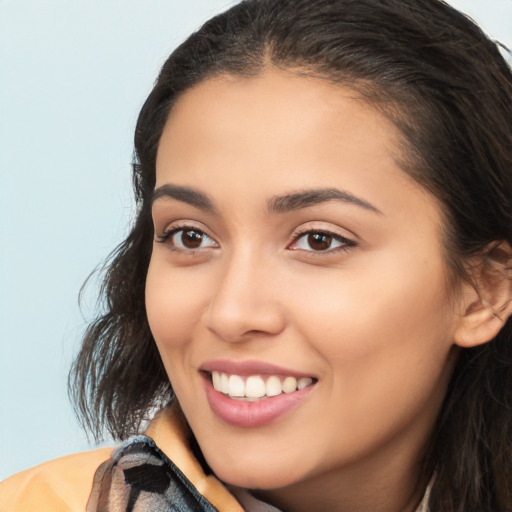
column 317, row 288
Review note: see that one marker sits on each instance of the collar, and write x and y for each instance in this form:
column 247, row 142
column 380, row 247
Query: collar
column 171, row 434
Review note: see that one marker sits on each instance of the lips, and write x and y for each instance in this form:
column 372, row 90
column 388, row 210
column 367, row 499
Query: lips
column 251, row 394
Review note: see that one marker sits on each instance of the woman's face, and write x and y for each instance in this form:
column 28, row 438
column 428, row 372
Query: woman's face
column 294, row 258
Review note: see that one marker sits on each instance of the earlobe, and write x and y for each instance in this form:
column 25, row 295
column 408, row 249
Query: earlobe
column 486, row 304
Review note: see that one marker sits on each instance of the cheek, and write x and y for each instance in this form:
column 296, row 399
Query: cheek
column 402, row 300
column 385, row 344
column 174, row 304
column 381, row 330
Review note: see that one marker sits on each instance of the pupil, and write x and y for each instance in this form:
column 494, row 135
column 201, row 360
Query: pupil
column 319, row 241
column 191, row 239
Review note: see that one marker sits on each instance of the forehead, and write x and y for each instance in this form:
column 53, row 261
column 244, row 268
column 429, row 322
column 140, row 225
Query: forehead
column 280, row 132
column 275, row 107
column 273, row 112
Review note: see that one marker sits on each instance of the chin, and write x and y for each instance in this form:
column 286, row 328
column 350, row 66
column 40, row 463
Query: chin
column 256, row 482
column 265, row 476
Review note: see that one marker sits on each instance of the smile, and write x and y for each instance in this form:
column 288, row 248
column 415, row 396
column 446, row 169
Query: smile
column 257, row 387
column 254, row 394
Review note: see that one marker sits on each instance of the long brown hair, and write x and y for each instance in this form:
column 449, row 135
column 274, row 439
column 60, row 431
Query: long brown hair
column 448, row 90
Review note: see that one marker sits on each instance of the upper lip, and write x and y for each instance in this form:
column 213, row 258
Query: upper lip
column 250, row 367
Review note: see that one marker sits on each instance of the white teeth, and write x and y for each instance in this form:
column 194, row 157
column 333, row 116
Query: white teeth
column 224, row 384
column 236, row 386
column 216, row 378
column 273, row 386
column 254, row 387
column 290, row 385
column 304, row 382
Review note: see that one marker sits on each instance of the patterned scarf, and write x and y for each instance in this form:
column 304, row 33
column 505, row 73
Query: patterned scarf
column 138, row 478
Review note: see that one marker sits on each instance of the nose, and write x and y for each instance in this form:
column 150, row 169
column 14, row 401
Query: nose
column 245, row 302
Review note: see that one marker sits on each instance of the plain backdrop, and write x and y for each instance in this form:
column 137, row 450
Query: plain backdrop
column 73, row 76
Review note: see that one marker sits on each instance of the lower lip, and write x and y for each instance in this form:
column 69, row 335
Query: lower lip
column 244, row 414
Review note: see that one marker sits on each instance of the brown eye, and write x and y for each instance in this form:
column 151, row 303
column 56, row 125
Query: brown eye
column 319, row 241
column 191, row 239
column 187, row 239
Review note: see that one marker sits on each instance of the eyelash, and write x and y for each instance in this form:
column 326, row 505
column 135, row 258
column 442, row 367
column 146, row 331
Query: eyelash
column 346, row 243
column 167, row 236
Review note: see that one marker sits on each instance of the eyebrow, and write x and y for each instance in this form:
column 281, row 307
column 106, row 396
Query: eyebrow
column 307, row 198
column 184, row 194
column 276, row 205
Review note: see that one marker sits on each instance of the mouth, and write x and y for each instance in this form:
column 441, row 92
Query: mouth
column 253, row 388
column 254, row 394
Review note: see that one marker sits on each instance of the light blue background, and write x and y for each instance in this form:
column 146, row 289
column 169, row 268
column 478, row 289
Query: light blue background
column 73, row 76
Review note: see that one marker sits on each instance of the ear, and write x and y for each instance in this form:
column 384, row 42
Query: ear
column 487, row 300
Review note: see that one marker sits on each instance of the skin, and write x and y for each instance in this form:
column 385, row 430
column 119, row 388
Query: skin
column 373, row 320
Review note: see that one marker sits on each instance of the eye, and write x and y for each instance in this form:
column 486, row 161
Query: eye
column 187, row 239
column 320, row 241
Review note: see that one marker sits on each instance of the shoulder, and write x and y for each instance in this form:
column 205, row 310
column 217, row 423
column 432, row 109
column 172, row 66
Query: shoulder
column 60, row 485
